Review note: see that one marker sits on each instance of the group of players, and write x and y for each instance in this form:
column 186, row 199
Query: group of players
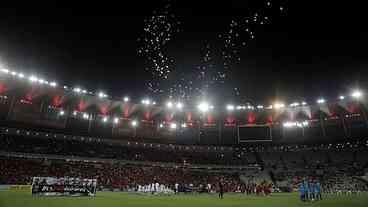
column 154, row 188
column 310, row 190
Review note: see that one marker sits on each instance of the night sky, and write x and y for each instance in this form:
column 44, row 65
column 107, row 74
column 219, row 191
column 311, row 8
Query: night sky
column 310, row 50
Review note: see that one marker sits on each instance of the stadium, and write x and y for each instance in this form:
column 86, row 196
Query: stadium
column 62, row 144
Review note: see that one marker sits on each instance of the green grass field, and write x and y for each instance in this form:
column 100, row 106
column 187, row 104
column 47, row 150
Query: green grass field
column 112, row 199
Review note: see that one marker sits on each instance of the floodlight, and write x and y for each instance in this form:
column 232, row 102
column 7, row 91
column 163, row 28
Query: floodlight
column 173, row 126
column 116, row 120
column 134, row 123
column 321, row 101
column 203, row 107
column 357, row 94
column 85, row 116
column 179, row 105
column 77, row 90
column 20, row 75
column 126, row 99
column 279, row 105
column 33, row 78
column 53, row 84
column 230, row 107
column 169, row 104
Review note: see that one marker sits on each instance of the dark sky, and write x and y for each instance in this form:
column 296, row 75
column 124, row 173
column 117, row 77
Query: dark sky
column 317, row 49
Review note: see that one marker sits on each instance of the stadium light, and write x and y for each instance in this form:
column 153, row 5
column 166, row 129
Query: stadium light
column 74, row 113
column 173, row 126
column 259, row 107
column 85, row 116
column 126, row 99
column 161, row 125
column 104, row 119
column 20, row 75
column 203, row 107
column 154, row 103
column 84, row 91
column 77, row 90
column 230, row 107
column 304, row 103
column 41, row 81
column 116, row 120
column 321, row 101
column 295, row 104
column 101, row 95
column 278, row 105
column 61, row 113
column 13, row 73
column 357, row 94
column 33, row 78
column 146, row 101
column 169, row 104
column 342, row 97
column 5, row 70
column 179, row 105
column 134, row 123
column 53, row 84
column 184, row 125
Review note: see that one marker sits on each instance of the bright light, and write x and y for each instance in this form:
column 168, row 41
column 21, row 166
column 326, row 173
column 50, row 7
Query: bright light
column 74, row 113
column 173, row 126
column 20, row 75
column 294, row 104
column 146, row 101
column 65, row 87
column 304, row 103
column 184, row 125
column 104, row 119
column 179, row 105
column 61, row 113
column 203, row 107
column 13, row 73
column 53, row 84
column 259, row 107
column 230, row 107
column 77, row 90
column 116, row 120
column 154, row 103
column 357, row 94
column 161, row 125
column 134, row 123
column 342, row 97
column 41, row 81
column 101, row 95
column 85, row 116
column 5, row 70
column 33, row 78
column 169, row 104
column 126, row 99
column 279, row 105
column 84, row 91
column 321, row 101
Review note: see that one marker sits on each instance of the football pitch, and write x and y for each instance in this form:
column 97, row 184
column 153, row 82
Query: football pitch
column 112, row 199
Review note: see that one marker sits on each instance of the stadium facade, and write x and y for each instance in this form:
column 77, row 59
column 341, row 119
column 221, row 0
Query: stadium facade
column 26, row 105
